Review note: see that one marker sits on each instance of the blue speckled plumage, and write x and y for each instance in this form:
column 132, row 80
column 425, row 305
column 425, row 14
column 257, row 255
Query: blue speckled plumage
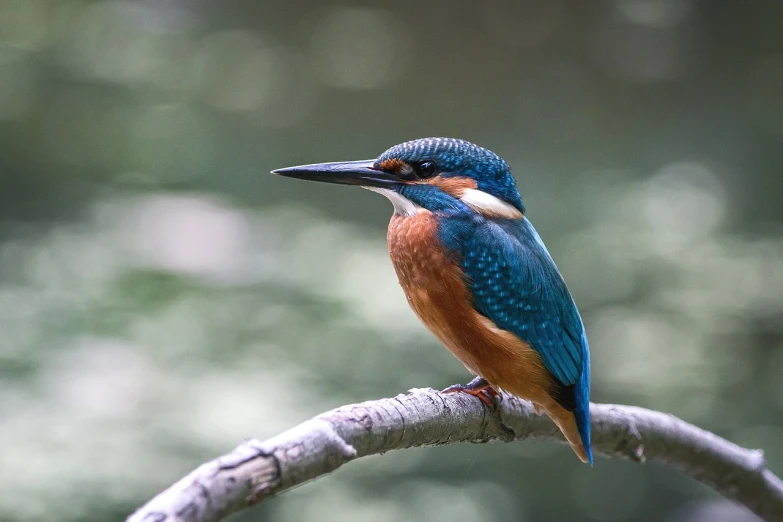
column 516, row 284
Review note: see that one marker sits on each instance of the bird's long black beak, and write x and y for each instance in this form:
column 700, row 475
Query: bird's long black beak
column 359, row 173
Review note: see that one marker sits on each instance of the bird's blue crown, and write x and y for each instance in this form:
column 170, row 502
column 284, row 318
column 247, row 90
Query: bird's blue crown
column 455, row 157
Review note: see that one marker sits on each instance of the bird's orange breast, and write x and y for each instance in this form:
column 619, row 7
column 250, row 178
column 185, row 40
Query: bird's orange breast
column 436, row 289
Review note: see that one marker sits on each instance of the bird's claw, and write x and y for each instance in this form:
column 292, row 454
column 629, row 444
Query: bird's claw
column 479, row 388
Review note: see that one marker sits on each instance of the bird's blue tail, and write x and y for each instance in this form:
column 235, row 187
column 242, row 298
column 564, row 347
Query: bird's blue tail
column 582, row 411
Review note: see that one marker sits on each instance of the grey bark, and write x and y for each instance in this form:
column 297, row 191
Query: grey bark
column 257, row 470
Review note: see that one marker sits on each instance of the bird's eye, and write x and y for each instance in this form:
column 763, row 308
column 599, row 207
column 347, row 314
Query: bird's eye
column 427, row 169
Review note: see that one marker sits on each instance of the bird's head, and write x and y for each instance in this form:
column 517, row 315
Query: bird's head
column 432, row 174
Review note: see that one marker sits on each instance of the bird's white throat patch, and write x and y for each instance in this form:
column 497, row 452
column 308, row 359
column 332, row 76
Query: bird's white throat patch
column 402, row 205
column 488, row 205
column 480, row 201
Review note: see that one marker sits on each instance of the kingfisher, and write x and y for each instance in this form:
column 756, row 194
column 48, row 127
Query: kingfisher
column 477, row 274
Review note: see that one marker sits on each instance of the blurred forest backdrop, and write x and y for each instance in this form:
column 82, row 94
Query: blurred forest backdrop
column 162, row 297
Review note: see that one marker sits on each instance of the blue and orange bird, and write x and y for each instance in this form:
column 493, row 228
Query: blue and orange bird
column 477, row 274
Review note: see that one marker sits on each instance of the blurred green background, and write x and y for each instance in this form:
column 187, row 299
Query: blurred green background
column 162, row 297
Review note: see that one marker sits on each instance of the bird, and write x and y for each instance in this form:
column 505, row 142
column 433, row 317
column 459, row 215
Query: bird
column 477, row 274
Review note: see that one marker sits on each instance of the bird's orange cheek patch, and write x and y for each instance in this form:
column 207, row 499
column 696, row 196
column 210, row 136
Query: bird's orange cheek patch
column 393, row 165
column 454, row 186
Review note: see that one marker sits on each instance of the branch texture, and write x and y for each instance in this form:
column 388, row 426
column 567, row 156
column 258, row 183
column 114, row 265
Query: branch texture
column 257, row 470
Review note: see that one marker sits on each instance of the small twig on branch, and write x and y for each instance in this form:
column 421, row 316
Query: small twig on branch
column 257, row 470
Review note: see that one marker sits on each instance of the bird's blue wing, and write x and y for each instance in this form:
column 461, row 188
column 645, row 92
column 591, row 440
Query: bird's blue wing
column 516, row 284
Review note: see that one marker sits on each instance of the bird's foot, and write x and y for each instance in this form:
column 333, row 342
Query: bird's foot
column 479, row 388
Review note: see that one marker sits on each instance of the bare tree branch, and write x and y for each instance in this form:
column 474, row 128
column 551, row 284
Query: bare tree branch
column 257, row 470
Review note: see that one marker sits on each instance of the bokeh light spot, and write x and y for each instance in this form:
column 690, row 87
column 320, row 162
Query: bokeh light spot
column 193, row 236
column 654, row 13
column 684, row 202
column 238, row 68
column 358, row 48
